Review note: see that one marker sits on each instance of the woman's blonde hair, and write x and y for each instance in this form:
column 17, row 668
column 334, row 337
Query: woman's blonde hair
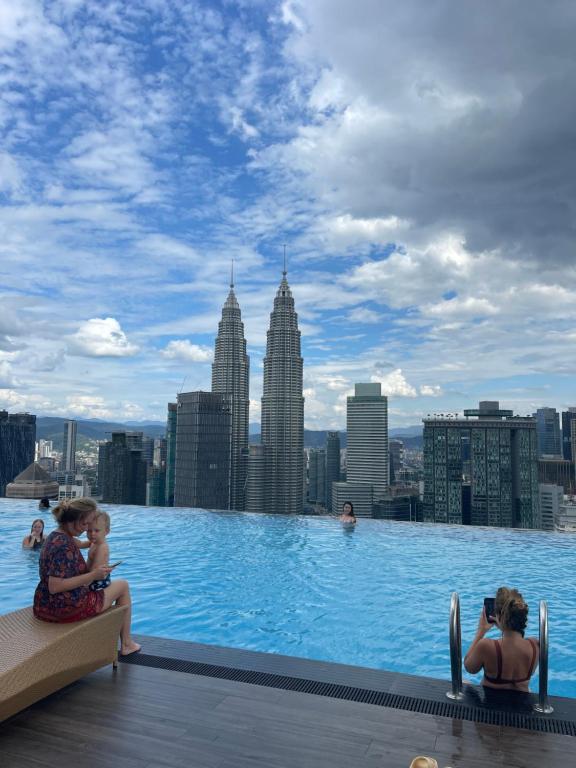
column 511, row 610
column 71, row 510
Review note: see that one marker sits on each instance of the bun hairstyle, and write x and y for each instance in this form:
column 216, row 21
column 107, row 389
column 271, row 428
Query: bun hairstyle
column 511, row 610
column 71, row 510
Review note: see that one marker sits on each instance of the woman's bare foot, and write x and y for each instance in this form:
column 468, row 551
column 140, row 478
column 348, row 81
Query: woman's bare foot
column 128, row 648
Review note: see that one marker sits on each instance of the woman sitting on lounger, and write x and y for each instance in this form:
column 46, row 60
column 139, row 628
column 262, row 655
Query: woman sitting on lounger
column 508, row 663
column 63, row 594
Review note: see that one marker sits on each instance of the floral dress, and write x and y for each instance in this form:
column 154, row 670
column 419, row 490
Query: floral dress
column 61, row 557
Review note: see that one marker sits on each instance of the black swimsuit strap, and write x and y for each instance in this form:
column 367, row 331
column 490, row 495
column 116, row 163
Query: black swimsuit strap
column 499, row 680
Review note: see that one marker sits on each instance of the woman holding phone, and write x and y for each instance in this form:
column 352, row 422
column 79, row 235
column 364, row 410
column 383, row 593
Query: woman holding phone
column 509, row 662
column 63, row 593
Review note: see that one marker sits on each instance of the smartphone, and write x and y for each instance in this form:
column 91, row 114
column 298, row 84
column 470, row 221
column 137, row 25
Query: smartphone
column 115, row 564
column 490, row 609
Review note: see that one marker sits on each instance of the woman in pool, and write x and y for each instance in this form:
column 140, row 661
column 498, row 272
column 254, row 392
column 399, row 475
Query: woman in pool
column 510, row 662
column 36, row 537
column 44, row 503
column 348, row 515
column 63, row 594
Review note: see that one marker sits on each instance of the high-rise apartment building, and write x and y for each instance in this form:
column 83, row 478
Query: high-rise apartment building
column 257, row 483
column 332, row 464
column 17, row 445
column 551, row 499
column 548, row 431
column 317, row 476
column 396, row 448
column 170, row 453
column 487, row 461
column 282, row 413
column 44, row 449
column 69, row 446
column 122, row 470
column 568, row 417
column 367, row 438
column 555, row 471
column 203, row 440
column 148, row 450
column 230, row 376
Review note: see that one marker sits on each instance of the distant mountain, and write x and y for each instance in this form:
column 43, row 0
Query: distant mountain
column 414, row 431
column 142, row 424
column 52, row 428
column 316, row 438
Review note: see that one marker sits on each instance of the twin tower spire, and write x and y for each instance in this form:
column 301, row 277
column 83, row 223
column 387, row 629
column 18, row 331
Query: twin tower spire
column 266, row 477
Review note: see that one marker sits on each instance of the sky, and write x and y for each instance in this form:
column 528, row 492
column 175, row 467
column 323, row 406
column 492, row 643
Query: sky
column 418, row 159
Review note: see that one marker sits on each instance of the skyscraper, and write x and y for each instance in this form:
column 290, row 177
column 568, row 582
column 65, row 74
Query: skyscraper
column 282, row 411
column 567, row 418
column 69, row 447
column 367, row 438
column 502, row 467
column 121, row 471
column 332, row 464
column 317, row 476
column 548, row 430
column 170, row 452
column 17, row 445
column 203, row 429
column 230, row 376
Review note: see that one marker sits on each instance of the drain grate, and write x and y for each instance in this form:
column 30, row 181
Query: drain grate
column 527, row 720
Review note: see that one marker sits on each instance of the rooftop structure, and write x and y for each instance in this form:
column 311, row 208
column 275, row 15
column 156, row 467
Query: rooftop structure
column 33, row 483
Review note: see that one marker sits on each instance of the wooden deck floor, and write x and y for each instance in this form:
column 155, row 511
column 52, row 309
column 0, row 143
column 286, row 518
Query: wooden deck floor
column 151, row 718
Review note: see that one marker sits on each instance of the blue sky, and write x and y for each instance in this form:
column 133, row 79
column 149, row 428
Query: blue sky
column 419, row 167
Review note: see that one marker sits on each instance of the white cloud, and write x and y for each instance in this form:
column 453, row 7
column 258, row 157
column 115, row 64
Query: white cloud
column 394, row 384
column 10, row 174
column 101, row 337
column 364, row 315
column 7, row 379
column 345, row 231
column 431, row 390
column 88, row 406
column 183, row 349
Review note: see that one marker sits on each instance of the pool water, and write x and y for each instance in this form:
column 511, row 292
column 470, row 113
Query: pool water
column 376, row 595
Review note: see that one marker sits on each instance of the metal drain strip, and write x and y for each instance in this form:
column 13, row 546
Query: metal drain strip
column 526, row 720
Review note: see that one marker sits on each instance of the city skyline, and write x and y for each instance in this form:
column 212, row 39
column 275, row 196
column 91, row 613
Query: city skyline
column 430, row 246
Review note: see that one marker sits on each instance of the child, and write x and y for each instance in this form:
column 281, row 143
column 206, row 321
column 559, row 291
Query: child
column 99, row 551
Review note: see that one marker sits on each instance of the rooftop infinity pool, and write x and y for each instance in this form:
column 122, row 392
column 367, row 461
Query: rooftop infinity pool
column 376, row 595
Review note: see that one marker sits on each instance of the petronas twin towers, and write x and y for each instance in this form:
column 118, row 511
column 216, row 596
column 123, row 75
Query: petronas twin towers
column 267, row 477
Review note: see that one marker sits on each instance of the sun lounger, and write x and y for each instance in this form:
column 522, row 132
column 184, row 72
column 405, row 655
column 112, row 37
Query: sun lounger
column 38, row 658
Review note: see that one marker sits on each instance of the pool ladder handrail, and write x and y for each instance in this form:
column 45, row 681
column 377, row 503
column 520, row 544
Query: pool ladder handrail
column 455, row 693
column 543, row 707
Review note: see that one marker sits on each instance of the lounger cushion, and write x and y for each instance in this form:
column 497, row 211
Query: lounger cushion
column 38, row 658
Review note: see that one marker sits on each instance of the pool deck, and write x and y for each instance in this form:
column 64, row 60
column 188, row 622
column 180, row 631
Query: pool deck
column 149, row 717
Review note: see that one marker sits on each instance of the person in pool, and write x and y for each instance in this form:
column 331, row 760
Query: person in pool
column 510, row 662
column 44, row 503
column 348, row 515
column 63, row 594
column 36, row 537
